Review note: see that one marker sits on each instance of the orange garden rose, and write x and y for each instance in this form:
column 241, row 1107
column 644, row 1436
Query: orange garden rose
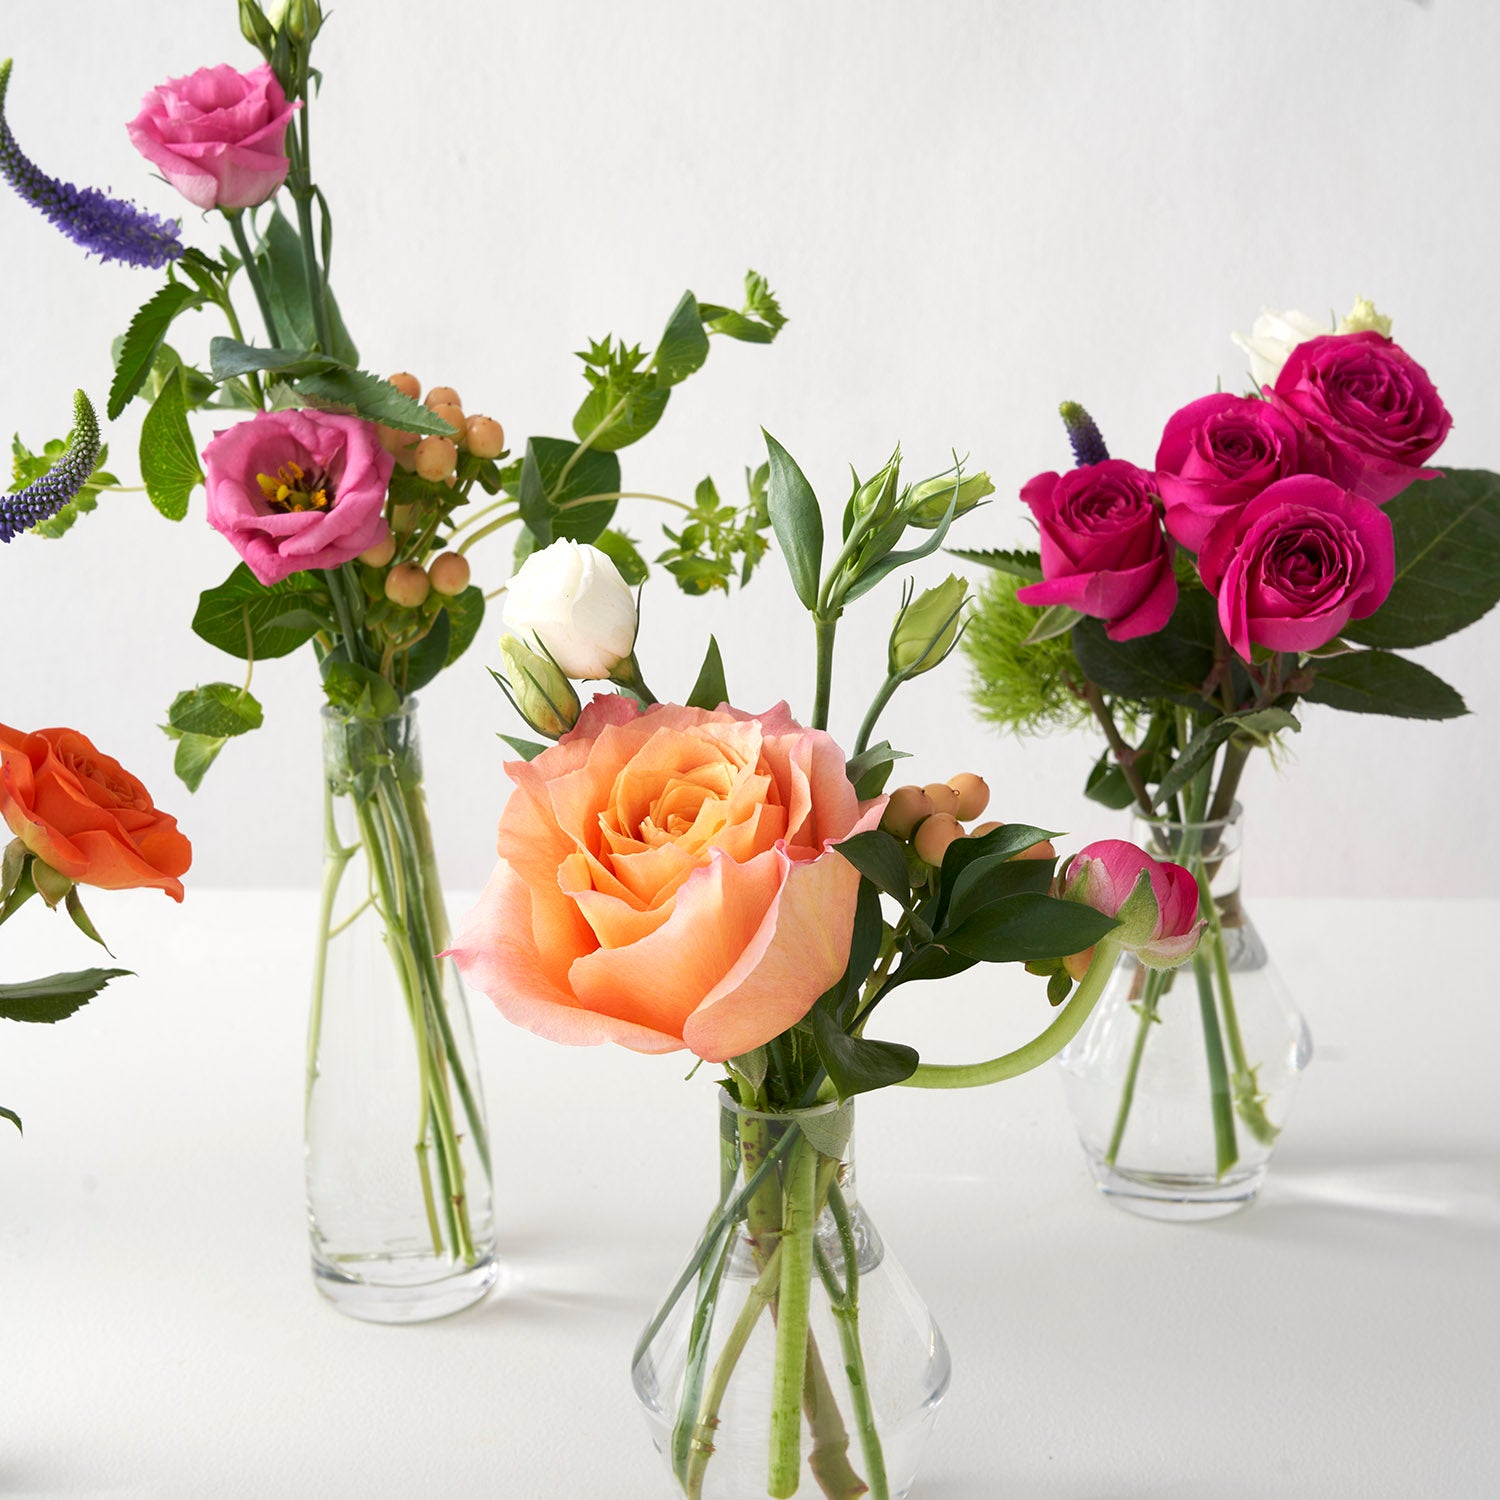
column 85, row 815
column 668, row 879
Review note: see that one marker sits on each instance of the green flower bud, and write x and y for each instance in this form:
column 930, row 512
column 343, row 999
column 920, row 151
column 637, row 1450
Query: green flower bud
column 535, row 684
column 876, row 497
column 927, row 503
column 256, row 28
column 927, row 627
column 1362, row 318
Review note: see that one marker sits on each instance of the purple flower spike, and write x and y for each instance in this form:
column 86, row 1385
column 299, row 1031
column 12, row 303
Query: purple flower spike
column 110, row 228
column 1084, row 435
column 61, row 483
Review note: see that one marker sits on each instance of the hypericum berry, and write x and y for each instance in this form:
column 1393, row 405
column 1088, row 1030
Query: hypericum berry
column 945, row 799
column 934, row 836
column 408, row 585
column 485, row 436
column 985, row 828
column 381, row 553
column 452, row 415
column 907, row 807
column 449, row 572
column 973, row 795
column 1045, row 850
column 435, row 457
column 442, row 395
column 406, row 383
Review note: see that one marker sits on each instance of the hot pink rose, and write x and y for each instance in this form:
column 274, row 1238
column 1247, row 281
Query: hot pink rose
column 1371, row 408
column 1103, row 550
column 1156, row 901
column 297, row 489
column 217, row 136
column 1218, row 453
column 1297, row 564
column 668, row 878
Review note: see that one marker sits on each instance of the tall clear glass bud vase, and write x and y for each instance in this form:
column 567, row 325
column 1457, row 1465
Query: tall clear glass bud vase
column 1182, row 1080
column 398, row 1175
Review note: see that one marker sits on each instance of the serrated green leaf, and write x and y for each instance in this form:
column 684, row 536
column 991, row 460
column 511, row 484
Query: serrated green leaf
column 375, row 399
column 55, row 998
column 143, row 339
column 1259, row 725
column 710, row 690
column 1380, row 682
column 684, row 345
column 217, row 710
column 1023, row 565
column 796, row 520
column 243, row 606
column 169, row 461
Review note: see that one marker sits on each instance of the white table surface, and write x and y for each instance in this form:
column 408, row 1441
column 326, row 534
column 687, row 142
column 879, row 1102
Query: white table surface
column 160, row 1336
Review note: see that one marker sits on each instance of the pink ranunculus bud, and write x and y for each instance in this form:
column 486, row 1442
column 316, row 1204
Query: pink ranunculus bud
column 297, row 489
column 1217, row 454
column 1370, row 407
column 1156, row 901
column 218, row 135
column 1103, row 549
column 1297, row 564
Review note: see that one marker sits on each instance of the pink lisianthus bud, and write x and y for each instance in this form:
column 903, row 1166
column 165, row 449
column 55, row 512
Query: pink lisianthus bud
column 1155, row 901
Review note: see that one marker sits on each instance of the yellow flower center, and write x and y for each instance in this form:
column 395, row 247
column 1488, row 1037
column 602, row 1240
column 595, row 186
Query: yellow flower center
column 291, row 488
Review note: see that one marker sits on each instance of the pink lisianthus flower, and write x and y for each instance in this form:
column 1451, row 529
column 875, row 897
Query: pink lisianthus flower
column 1370, row 407
column 1103, row 549
column 668, row 878
column 1155, row 901
column 217, row 135
column 1297, row 564
column 297, row 489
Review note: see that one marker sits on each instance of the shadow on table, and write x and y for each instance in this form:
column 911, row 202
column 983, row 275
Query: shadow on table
column 981, row 1486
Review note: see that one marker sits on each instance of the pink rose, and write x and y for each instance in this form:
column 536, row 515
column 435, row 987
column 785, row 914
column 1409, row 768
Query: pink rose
column 217, row 136
column 1371, row 408
column 1217, row 454
column 1156, row 901
column 297, row 489
column 1103, row 550
column 1297, row 564
column 668, row 878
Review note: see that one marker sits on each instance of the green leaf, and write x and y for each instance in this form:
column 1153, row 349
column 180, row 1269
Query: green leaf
column 1379, row 682
column 928, row 963
column 1259, row 725
column 526, row 749
column 684, row 346
column 593, row 474
column 359, row 692
column 1174, row 663
column 12, row 866
column 465, row 615
column 621, row 551
column 1056, row 619
column 983, row 882
column 883, row 567
column 871, row 769
column 81, row 919
column 229, row 358
column 1029, row 929
column 1107, row 785
column 640, row 409
column 169, row 461
column 219, row 710
column 881, row 859
column 735, row 325
column 796, row 520
column 13, row 1117
column 990, row 849
column 1024, row 565
column 854, row 1064
column 418, row 665
column 374, row 398
column 280, row 259
column 242, row 609
column 143, row 339
column 710, row 690
column 1447, row 560
column 194, row 755
column 45, row 1001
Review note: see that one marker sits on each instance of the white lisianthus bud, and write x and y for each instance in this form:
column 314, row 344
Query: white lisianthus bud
column 541, row 694
column 1362, row 318
column 1273, row 338
column 571, row 598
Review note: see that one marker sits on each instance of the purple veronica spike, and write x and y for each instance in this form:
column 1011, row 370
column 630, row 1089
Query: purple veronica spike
column 1087, row 441
column 109, row 227
column 61, row 483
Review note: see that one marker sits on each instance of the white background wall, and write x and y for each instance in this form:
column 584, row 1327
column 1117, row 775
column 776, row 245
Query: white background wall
column 971, row 210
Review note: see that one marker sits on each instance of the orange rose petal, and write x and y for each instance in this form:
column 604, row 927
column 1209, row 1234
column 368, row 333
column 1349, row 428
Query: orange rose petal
column 614, row 922
column 113, row 866
column 496, row 954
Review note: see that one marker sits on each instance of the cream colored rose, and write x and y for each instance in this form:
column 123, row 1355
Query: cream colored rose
column 571, row 598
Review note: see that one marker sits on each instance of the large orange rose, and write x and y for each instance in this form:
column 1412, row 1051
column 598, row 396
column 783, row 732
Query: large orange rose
column 86, row 815
column 668, row 879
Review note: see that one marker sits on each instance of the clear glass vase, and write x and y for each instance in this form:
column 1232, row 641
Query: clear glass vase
column 793, row 1354
column 1182, row 1080
column 398, row 1175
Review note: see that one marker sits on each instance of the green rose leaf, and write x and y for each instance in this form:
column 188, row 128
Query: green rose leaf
column 796, row 520
column 243, row 612
column 1174, row 663
column 1029, row 928
column 138, row 350
column 55, row 998
column 1026, row 566
column 218, row 711
column 1379, row 682
column 169, row 461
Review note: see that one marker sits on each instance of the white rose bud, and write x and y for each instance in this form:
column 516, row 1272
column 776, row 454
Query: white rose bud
column 1273, row 338
column 571, row 598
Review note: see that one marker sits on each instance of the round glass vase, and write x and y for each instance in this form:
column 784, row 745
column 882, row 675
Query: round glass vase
column 1182, row 1079
column 398, row 1176
column 793, row 1354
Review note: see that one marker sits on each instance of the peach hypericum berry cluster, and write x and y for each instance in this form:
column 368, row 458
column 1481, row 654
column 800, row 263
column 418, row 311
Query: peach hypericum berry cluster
column 932, row 817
